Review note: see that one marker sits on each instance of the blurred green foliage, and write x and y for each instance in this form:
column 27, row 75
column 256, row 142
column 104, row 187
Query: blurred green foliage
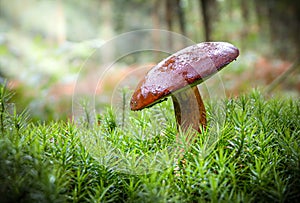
column 45, row 44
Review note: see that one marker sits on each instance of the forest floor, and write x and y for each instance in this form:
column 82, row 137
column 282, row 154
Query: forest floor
column 249, row 153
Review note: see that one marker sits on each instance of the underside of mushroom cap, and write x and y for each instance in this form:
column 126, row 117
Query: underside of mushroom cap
column 187, row 67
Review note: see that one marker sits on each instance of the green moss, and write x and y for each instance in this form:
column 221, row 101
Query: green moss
column 249, row 153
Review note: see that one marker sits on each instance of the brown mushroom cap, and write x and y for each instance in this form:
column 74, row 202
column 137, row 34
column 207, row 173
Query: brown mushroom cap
column 187, row 67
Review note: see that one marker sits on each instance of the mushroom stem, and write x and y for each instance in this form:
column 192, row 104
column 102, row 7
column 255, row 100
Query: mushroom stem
column 189, row 110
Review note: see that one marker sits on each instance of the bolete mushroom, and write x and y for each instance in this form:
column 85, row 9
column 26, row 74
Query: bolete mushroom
column 178, row 76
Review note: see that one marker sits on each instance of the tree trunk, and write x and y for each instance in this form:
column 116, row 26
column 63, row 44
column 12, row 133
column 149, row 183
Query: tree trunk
column 283, row 19
column 245, row 10
column 181, row 19
column 209, row 12
column 206, row 20
column 156, row 25
column 169, row 20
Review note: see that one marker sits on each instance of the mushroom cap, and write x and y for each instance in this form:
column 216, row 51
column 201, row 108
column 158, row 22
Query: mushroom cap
column 187, row 67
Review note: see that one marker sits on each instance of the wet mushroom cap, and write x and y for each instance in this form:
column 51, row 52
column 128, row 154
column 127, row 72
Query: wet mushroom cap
column 186, row 68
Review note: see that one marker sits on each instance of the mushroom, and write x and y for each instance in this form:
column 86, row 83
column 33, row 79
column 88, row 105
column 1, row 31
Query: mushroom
column 178, row 76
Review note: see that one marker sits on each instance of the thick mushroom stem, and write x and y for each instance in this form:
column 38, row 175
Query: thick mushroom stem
column 189, row 110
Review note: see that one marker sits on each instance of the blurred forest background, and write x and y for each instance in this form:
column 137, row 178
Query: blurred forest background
column 42, row 49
